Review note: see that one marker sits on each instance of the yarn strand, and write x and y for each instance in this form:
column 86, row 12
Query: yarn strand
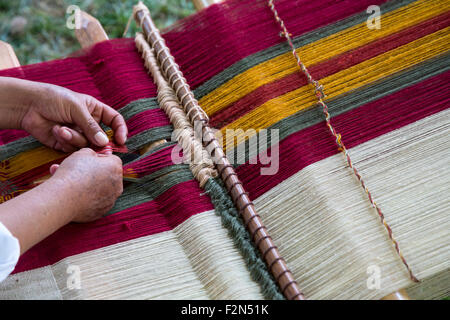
column 319, row 92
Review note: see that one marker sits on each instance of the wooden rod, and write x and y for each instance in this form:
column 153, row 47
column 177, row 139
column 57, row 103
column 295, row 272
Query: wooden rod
column 253, row 222
column 8, row 58
column 90, row 31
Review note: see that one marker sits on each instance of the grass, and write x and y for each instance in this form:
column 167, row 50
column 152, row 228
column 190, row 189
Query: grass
column 45, row 35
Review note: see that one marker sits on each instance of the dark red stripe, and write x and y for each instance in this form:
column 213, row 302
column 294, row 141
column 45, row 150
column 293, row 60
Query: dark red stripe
column 7, row 136
column 153, row 162
column 162, row 214
column 146, row 120
column 346, row 60
column 357, row 126
column 111, row 71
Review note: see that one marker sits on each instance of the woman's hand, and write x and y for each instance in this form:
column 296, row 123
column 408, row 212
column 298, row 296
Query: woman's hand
column 85, row 185
column 65, row 120
column 58, row 117
column 95, row 180
column 83, row 188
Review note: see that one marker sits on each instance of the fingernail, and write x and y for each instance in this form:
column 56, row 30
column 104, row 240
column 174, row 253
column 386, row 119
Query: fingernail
column 101, row 138
column 53, row 168
column 66, row 134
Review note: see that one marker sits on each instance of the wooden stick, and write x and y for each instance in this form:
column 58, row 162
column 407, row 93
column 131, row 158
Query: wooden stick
column 90, row 31
column 398, row 295
column 8, row 58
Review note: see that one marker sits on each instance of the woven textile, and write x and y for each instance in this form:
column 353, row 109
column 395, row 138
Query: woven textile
column 388, row 95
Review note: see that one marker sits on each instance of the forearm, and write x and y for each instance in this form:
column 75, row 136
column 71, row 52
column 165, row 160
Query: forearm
column 36, row 214
column 16, row 95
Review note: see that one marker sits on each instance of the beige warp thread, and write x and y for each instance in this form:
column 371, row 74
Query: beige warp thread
column 174, row 264
column 194, row 112
column 194, row 154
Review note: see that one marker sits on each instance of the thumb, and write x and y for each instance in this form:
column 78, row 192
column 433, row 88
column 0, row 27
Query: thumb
column 90, row 127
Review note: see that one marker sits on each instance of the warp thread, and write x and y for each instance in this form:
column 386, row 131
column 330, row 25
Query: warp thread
column 231, row 220
column 195, row 113
column 205, row 172
column 194, row 154
column 318, row 90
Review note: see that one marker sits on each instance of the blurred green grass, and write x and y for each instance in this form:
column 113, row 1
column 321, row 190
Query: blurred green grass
column 37, row 28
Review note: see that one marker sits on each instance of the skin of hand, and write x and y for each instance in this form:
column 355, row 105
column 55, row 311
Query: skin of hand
column 85, row 185
column 58, row 117
column 82, row 188
column 96, row 180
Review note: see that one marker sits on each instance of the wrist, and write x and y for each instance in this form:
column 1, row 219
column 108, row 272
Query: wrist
column 17, row 98
column 59, row 192
column 14, row 102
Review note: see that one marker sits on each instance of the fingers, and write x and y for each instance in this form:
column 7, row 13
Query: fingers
column 86, row 113
column 69, row 137
column 115, row 121
column 94, row 133
column 60, row 144
column 107, row 152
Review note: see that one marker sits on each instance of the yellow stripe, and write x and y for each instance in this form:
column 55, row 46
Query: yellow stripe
column 319, row 51
column 342, row 82
column 26, row 161
column 31, row 159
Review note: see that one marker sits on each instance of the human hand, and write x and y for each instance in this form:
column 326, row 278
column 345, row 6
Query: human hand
column 93, row 180
column 66, row 120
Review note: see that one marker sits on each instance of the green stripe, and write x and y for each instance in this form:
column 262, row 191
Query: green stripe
column 154, row 134
column 153, row 150
column 231, row 220
column 151, row 186
column 13, row 148
column 137, row 106
column 133, row 143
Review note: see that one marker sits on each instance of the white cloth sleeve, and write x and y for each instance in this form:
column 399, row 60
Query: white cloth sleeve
column 9, row 252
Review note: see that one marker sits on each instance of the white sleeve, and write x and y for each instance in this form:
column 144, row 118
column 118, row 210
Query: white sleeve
column 9, row 252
